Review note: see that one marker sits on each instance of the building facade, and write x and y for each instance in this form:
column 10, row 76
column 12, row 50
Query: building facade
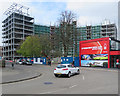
column 99, row 53
column 99, row 31
column 0, row 51
column 40, row 29
column 79, row 34
column 16, row 27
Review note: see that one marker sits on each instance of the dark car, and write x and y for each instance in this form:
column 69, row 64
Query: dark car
column 24, row 62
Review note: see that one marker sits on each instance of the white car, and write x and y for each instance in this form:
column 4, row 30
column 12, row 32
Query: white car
column 19, row 62
column 66, row 69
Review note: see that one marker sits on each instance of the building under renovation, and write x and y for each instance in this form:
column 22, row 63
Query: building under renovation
column 98, row 31
column 40, row 29
column 82, row 33
column 16, row 27
column 19, row 24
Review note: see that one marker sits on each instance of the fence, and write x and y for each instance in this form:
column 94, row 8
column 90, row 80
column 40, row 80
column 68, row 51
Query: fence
column 67, row 60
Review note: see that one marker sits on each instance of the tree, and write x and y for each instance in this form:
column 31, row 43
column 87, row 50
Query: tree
column 35, row 46
column 45, row 44
column 30, row 47
column 55, row 42
column 66, row 29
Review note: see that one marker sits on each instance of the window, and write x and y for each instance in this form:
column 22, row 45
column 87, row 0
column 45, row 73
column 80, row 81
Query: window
column 61, row 66
column 69, row 65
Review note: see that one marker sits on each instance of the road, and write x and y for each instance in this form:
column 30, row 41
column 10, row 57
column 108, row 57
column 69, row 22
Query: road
column 88, row 82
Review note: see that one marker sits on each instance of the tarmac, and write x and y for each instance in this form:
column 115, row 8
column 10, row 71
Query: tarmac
column 18, row 73
column 26, row 72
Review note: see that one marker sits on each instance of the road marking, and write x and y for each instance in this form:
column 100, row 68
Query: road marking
column 53, row 91
column 73, row 86
column 83, row 77
column 58, row 90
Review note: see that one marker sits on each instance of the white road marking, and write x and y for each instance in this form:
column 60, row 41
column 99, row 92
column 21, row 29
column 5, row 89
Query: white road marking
column 83, row 77
column 72, row 86
column 53, row 91
column 58, row 90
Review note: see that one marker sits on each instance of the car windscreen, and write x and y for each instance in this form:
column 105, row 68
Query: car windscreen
column 61, row 66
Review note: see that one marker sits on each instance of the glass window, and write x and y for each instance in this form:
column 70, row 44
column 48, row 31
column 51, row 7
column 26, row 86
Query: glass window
column 114, row 45
column 69, row 65
column 61, row 66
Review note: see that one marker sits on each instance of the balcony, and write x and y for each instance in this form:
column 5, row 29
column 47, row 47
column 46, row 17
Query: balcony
column 18, row 27
column 17, row 44
column 28, row 29
column 18, row 18
column 29, row 25
column 18, row 23
column 28, row 34
column 18, row 37
column 18, row 32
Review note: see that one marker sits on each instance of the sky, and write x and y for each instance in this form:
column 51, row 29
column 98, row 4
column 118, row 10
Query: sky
column 46, row 12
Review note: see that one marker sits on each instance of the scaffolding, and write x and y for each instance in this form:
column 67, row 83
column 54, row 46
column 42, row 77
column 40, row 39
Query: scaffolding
column 17, row 8
column 16, row 27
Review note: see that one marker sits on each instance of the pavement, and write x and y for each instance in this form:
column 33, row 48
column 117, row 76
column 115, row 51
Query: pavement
column 18, row 73
column 27, row 72
column 100, row 69
column 89, row 81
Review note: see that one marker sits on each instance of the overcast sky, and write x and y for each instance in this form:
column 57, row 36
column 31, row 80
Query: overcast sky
column 46, row 12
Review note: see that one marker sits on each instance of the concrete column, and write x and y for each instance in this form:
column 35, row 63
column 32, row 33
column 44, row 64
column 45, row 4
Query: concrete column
column 13, row 36
column 23, row 27
column 3, row 46
column 8, row 37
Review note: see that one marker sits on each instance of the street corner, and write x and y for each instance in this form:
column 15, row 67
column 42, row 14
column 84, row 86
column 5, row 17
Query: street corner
column 22, row 73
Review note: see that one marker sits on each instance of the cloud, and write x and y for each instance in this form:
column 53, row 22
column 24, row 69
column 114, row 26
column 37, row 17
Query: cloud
column 43, row 12
column 94, row 12
column 46, row 11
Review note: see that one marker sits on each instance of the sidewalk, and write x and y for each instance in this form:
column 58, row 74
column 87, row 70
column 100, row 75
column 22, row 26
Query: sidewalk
column 100, row 69
column 19, row 73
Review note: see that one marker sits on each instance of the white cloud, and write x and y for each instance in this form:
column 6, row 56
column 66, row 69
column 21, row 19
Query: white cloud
column 87, row 11
column 94, row 12
column 42, row 13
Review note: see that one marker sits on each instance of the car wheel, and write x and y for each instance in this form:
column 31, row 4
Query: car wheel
column 69, row 75
column 56, row 75
column 78, row 72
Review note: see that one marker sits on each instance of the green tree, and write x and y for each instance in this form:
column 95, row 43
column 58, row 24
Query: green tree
column 30, row 47
column 35, row 46
column 45, row 45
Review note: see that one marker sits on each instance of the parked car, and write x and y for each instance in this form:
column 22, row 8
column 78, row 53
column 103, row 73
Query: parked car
column 66, row 69
column 19, row 62
column 26, row 63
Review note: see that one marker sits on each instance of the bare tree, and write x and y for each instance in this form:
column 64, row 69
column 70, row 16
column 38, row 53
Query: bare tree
column 66, row 30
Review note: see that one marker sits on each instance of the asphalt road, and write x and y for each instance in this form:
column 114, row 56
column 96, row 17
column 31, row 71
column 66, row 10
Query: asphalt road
column 88, row 82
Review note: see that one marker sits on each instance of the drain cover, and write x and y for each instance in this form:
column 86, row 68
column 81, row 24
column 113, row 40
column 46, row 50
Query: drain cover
column 48, row 83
